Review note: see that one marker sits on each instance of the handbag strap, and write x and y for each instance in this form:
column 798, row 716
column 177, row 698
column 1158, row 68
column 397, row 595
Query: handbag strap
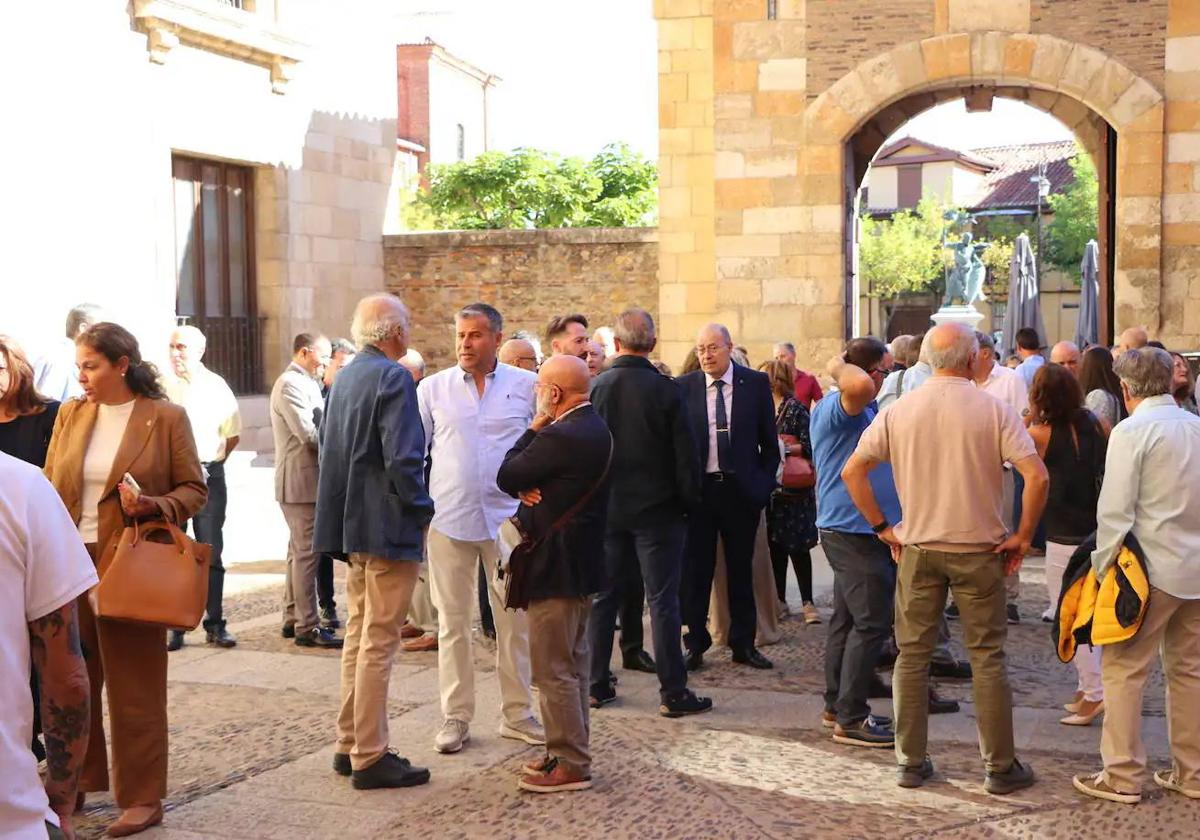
column 567, row 515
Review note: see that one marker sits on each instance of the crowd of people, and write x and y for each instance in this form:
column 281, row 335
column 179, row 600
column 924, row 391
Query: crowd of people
column 625, row 486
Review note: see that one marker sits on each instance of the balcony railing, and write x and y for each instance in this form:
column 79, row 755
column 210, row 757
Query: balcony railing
column 234, row 350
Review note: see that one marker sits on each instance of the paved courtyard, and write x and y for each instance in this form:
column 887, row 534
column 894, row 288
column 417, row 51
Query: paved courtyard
column 252, row 729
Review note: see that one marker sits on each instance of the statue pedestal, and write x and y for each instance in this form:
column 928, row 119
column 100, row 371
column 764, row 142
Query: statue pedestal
column 968, row 315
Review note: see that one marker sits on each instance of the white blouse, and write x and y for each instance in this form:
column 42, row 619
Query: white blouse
column 107, row 434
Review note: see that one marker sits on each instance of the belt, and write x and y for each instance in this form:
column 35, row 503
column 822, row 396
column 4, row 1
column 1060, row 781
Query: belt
column 717, row 476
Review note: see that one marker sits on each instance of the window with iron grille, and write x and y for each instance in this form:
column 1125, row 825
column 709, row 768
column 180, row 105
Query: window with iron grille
column 214, row 262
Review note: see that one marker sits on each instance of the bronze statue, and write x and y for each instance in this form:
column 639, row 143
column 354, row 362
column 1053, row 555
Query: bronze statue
column 965, row 281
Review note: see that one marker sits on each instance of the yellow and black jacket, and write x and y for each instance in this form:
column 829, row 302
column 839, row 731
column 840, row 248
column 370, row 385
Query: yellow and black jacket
column 1096, row 612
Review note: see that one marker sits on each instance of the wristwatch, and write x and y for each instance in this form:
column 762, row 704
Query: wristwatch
column 882, row 526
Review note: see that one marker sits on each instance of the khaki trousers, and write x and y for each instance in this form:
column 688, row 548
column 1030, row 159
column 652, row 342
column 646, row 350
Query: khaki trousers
column 379, row 591
column 558, row 630
column 454, row 579
column 1171, row 628
column 129, row 662
column 423, row 613
column 300, row 583
column 977, row 581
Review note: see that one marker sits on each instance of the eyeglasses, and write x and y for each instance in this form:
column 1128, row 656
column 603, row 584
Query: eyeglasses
column 710, row 349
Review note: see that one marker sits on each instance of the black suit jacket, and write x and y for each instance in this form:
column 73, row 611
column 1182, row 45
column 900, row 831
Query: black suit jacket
column 655, row 471
column 564, row 461
column 754, row 442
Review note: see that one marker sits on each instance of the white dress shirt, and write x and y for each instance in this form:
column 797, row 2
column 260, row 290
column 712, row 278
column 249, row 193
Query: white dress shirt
column 710, row 393
column 212, row 410
column 1007, row 386
column 468, row 437
column 912, row 379
column 1152, row 489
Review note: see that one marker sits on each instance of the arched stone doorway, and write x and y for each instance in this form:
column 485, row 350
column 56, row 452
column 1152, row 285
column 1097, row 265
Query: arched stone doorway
column 1091, row 131
column 1097, row 96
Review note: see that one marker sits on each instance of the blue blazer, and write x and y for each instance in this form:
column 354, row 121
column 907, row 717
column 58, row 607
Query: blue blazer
column 371, row 494
column 754, row 442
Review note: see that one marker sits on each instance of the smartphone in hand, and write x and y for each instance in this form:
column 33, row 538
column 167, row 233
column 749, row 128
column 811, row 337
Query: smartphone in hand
column 132, row 484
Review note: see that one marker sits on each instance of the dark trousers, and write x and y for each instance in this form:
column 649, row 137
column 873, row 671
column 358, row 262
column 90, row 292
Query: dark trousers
column 325, row 583
column 654, row 556
column 209, row 525
column 724, row 513
column 863, row 587
column 633, row 603
column 801, row 562
column 486, row 620
column 1039, row 536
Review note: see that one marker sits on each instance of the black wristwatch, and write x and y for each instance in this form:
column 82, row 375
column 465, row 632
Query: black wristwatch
column 882, row 526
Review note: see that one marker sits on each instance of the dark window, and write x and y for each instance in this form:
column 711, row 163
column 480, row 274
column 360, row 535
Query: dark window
column 772, row 9
column 908, row 186
column 462, row 142
column 214, row 260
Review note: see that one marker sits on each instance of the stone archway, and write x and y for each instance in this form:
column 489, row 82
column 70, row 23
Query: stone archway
column 1071, row 81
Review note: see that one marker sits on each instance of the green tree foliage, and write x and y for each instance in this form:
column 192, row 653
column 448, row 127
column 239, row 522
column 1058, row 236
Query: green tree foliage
column 528, row 188
column 1076, row 214
column 904, row 253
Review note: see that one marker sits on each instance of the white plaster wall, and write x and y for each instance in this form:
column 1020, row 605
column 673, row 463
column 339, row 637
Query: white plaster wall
column 882, row 187
column 454, row 98
column 937, row 180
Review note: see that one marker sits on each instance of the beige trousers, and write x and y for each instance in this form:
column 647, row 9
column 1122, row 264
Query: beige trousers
column 379, row 591
column 300, row 582
column 561, row 657
column 977, row 580
column 766, row 598
column 1170, row 629
column 454, row 578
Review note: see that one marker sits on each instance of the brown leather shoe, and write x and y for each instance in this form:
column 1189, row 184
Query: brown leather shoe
column 556, row 779
column 410, row 631
column 424, row 644
column 136, row 820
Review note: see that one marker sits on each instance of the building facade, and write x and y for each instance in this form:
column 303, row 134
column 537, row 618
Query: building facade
column 771, row 110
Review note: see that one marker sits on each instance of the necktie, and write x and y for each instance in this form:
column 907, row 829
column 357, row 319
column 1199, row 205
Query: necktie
column 723, row 459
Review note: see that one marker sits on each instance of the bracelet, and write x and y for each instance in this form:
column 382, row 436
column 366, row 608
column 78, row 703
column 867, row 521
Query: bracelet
column 882, row 526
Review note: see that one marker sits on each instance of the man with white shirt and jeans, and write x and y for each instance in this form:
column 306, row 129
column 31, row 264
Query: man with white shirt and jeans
column 44, row 568
column 1152, row 491
column 473, row 413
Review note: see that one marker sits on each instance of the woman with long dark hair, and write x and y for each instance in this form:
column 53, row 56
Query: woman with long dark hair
column 124, row 426
column 1101, row 388
column 1073, row 444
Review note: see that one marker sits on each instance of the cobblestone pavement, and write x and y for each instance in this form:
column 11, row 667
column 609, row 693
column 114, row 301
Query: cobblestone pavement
column 252, row 728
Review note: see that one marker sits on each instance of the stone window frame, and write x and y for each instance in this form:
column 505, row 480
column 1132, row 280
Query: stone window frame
column 247, row 34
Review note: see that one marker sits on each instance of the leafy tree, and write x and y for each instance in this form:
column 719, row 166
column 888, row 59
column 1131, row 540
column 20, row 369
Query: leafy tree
column 904, row 253
column 529, row 188
column 1076, row 214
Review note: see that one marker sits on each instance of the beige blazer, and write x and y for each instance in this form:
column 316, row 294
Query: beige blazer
column 157, row 450
column 294, row 399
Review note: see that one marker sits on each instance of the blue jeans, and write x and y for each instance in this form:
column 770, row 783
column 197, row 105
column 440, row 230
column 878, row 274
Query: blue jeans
column 209, row 526
column 656, row 553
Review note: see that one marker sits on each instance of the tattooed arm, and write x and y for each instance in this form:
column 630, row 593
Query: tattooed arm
column 66, row 704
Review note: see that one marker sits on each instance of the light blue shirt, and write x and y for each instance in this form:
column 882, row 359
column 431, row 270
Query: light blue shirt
column 1029, row 368
column 902, row 382
column 1152, row 490
column 468, row 437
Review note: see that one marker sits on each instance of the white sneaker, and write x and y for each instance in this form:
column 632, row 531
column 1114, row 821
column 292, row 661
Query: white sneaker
column 452, row 736
column 528, row 730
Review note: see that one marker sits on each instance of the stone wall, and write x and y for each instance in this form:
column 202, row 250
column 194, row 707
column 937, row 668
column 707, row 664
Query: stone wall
column 529, row 275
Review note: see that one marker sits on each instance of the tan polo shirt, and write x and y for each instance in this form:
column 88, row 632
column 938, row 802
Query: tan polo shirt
column 947, row 442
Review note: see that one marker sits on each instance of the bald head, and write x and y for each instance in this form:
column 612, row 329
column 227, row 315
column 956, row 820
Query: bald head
column 1065, row 353
column 519, row 353
column 563, row 383
column 952, row 349
column 1134, row 338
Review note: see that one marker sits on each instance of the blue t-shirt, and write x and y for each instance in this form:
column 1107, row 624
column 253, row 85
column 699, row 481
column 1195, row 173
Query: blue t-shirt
column 835, row 436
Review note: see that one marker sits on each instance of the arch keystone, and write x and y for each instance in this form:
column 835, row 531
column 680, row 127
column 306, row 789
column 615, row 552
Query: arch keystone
column 987, row 53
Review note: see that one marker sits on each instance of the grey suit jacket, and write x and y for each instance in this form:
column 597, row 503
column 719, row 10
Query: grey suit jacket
column 295, row 398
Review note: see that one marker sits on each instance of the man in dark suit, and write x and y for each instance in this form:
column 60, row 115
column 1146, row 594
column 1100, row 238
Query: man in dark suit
column 372, row 508
column 655, row 480
column 557, row 468
column 733, row 420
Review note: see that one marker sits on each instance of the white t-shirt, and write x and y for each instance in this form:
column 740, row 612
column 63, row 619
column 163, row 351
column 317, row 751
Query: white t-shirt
column 43, row 565
column 111, row 421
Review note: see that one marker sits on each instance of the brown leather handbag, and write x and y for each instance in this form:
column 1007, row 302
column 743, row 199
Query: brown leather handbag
column 798, row 472
column 146, row 581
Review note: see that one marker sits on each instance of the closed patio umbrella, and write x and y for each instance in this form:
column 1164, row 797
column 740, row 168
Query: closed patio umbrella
column 1024, row 307
column 1087, row 330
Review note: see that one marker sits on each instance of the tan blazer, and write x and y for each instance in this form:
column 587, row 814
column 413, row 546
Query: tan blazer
column 294, row 398
column 157, row 450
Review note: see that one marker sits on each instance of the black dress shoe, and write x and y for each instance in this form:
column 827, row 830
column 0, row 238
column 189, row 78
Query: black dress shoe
column 341, row 764
column 216, row 634
column 878, row 689
column 694, row 661
column 958, row 670
column 391, row 771
column 686, row 703
column 939, row 706
column 640, row 661
column 289, row 630
column 329, row 618
column 753, row 658
column 174, row 640
column 318, row 637
column 601, row 694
